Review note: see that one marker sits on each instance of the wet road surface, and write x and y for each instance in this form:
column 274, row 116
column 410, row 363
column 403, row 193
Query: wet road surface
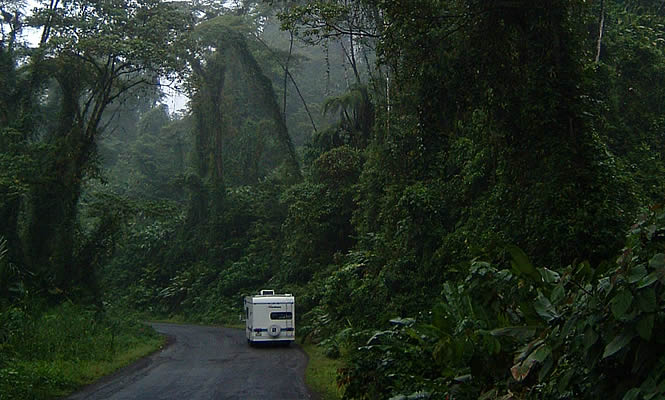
column 207, row 363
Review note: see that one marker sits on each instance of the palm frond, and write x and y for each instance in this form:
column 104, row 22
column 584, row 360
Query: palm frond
column 352, row 99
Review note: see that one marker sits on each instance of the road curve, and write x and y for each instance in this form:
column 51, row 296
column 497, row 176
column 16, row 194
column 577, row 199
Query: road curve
column 204, row 363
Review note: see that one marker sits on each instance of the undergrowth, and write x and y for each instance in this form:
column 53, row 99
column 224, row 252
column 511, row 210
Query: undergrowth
column 321, row 373
column 49, row 354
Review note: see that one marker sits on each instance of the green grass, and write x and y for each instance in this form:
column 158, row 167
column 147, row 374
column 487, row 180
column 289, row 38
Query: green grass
column 321, row 373
column 50, row 354
column 39, row 379
column 100, row 352
column 86, row 372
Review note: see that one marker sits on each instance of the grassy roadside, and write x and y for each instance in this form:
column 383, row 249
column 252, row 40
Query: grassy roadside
column 321, row 373
column 52, row 353
column 102, row 348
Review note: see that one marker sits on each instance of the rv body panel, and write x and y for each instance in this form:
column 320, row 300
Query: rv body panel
column 270, row 318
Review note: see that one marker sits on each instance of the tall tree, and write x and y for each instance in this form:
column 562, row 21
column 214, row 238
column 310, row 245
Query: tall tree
column 229, row 91
column 90, row 53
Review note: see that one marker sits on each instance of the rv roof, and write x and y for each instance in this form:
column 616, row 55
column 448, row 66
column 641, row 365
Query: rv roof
column 278, row 298
column 273, row 295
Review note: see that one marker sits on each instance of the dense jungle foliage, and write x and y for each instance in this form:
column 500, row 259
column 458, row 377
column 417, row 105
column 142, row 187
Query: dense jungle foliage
column 464, row 195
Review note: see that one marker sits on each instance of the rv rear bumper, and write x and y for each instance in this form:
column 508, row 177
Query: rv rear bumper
column 262, row 335
column 270, row 339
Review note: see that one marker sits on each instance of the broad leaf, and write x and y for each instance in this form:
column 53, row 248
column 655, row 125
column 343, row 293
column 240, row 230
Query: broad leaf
column 636, row 273
column 590, row 338
column 621, row 303
column 558, row 293
column 564, row 381
column 518, row 332
column 521, row 263
column 402, row 321
column 569, row 326
column 540, row 354
column 657, row 261
column 645, row 326
column 546, row 368
column 544, row 308
column 377, row 336
column 489, row 395
column 618, row 343
column 632, row 394
column 522, row 369
column 526, row 350
column 549, row 276
column 646, row 300
column 648, row 280
column 412, row 396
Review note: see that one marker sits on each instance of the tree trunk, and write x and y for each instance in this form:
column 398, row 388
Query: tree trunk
column 601, row 28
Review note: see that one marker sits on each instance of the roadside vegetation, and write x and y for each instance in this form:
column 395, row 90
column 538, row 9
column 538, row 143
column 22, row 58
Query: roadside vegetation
column 321, row 373
column 464, row 196
column 48, row 353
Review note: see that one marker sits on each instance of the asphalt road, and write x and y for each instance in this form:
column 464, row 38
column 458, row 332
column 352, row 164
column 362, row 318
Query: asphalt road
column 204, row 363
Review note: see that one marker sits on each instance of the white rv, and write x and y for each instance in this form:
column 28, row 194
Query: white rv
column 270, row 317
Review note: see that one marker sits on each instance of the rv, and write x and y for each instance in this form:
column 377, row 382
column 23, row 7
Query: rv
column 270, row 318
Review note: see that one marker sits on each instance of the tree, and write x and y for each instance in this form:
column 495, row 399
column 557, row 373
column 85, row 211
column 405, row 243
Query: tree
column 90, row 53
column 354, row 26
column 235, row 110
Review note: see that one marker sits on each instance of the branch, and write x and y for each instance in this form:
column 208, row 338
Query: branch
column 86, row 107
column 89, row 60
column 46, row 33
column 339, row 31
column 304, row 103
column 351, row 59
column 141, row 81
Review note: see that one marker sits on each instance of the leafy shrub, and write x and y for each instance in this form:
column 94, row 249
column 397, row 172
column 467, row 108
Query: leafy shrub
column 528, row 332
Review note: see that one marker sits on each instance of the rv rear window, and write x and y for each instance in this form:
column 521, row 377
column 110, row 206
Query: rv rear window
column 281, row 315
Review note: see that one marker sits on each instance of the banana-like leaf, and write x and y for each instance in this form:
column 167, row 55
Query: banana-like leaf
column 521, row 263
